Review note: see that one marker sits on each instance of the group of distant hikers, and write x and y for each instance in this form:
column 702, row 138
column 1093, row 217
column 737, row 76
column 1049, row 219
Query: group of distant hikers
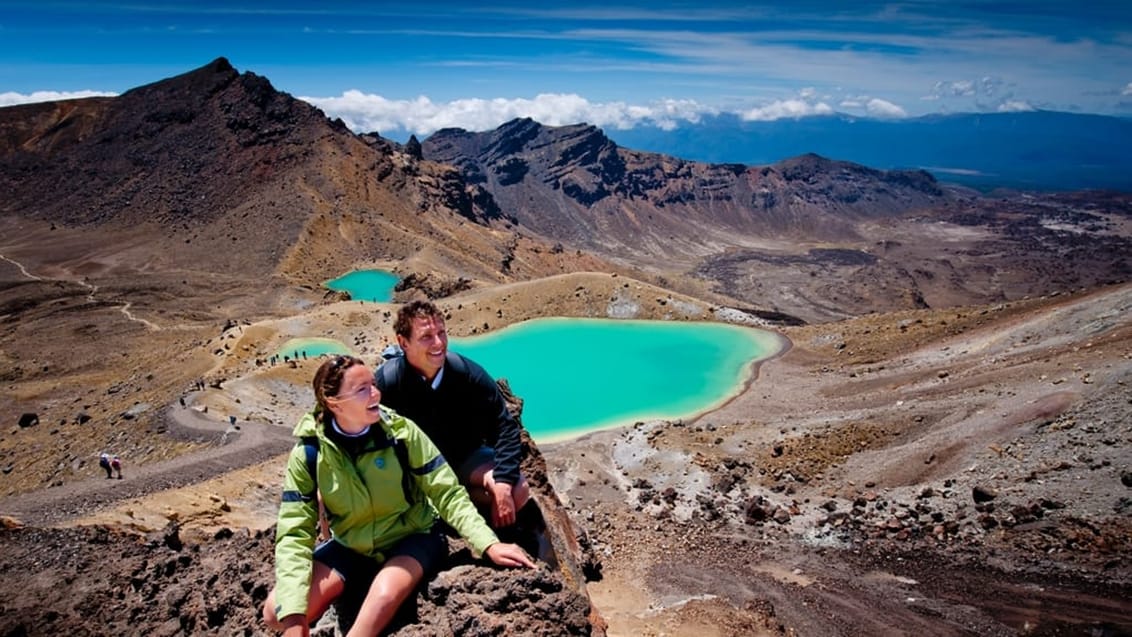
column 111, row 464
column 387, row 461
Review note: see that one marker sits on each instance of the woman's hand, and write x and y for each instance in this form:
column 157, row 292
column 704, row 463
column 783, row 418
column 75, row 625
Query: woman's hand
column 511, row 555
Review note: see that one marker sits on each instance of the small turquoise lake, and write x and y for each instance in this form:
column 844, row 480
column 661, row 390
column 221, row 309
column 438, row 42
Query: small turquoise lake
column 366, row 285
column 311, row 347
column 580, row 375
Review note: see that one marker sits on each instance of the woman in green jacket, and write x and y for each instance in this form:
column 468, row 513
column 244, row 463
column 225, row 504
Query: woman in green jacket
column 382, row 482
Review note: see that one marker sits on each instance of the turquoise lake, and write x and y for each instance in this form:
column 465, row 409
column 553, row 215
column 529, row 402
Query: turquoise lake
column 312, row 347
column 581, row 375
column 366, row 285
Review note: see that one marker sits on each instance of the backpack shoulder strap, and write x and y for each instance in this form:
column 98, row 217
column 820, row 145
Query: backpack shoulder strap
column 390, row 376
column 310, row 453
column 456, row 362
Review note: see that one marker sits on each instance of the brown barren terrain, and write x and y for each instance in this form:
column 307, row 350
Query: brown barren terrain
column 943, row 446
column 837, row 485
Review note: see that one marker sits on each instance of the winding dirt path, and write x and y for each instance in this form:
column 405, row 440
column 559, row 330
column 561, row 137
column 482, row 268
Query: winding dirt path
column 229, row 449
column 91, row 291
column 23, row 270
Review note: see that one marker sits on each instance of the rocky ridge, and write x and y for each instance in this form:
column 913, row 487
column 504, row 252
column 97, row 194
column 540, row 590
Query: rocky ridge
column 572, row 183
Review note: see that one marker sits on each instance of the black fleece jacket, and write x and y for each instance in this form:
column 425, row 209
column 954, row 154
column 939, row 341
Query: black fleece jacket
column 466, row 411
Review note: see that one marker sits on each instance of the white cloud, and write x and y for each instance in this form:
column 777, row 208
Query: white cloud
column 959, row 88
column 783, row 109
column 1015, row 106
column 12, row 99
column 364, row 112
column 987, row 86
column 1127, row 89
column 883, row 108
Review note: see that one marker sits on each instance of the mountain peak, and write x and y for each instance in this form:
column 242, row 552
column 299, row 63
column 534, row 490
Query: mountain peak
column 164, row 150
column 203, row 81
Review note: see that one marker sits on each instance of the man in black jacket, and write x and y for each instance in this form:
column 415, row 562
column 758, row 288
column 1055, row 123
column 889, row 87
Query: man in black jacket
column 457, row 403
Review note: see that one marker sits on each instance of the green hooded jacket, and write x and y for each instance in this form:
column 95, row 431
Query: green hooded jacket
column 365, row 502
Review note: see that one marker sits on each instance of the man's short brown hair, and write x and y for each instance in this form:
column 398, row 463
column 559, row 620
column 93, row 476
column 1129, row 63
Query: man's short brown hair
column 403, row 325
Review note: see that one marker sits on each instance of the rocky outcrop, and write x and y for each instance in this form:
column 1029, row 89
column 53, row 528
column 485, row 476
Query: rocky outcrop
column 123, row 583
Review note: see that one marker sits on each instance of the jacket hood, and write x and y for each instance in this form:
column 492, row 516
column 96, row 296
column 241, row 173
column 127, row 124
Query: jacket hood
column 307, row 426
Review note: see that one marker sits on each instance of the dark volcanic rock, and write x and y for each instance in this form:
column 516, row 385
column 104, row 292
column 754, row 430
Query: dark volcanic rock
column 102, row 581
column 476, row 601
column 431, row 285
column 982, row 494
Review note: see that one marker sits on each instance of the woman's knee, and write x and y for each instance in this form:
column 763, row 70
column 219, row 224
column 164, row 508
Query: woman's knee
column 398, row 578
column 390, row 588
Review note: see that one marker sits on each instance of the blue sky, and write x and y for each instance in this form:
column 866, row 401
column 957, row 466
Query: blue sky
column 420, row 66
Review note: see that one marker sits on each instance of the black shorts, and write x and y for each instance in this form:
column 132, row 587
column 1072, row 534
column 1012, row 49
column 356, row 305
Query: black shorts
column 428, row 549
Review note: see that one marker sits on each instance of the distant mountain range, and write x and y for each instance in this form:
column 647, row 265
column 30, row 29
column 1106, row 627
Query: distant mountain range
column 1039, row 150
column 575, row 185
column 216, row 171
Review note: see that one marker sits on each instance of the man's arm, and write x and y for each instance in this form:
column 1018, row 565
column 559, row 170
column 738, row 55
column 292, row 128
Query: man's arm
column 503, row 431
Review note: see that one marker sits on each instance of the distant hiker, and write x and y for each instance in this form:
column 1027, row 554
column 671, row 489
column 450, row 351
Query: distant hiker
column 391, row 351
column 104, row 462
column 389, row 481
column 116, row 465
column 460, row 407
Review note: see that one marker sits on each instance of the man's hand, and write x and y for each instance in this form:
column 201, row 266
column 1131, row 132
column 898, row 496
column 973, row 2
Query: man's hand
column 502, row 505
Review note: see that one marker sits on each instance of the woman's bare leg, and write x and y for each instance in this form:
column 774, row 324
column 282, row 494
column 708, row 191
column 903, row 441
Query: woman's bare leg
column 326, row 586
column 392, row 586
